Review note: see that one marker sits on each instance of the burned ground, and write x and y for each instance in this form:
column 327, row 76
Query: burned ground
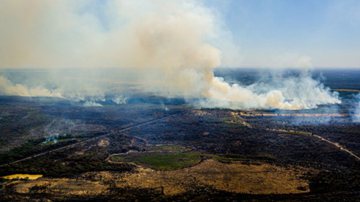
column 81, row 157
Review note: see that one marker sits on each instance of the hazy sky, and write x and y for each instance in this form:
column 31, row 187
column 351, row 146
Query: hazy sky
column 251, row 33
column 271, row 32
column 282, row 32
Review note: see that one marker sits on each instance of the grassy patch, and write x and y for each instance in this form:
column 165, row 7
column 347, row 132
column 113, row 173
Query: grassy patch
column 173, row 157
column 161, row 161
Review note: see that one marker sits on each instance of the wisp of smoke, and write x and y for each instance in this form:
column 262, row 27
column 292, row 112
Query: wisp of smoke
column 170, row 44
column 356, row 112
column 8, row 88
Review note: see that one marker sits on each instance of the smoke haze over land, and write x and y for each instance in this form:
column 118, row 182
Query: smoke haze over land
column 172, row 48
column 356, row 112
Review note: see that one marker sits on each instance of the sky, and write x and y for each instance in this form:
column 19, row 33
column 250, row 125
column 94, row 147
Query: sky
column 274, row 32
column 249, row 33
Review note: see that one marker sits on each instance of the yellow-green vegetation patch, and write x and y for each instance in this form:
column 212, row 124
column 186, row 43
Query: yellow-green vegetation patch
column 22, row 177
column 161, row 160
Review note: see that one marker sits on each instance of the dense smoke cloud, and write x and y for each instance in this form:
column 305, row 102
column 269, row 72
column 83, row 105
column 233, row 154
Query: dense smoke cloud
column 168, row 43
column 294, row 93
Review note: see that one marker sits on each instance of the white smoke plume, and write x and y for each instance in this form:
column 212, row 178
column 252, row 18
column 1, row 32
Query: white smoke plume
column 292, row 93
column 168, row 43
column 8, row 88
column 356, row 111
column 120, row 99
column 92, row 104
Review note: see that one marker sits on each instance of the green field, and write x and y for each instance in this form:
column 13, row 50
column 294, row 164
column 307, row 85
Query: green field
column 161, row 161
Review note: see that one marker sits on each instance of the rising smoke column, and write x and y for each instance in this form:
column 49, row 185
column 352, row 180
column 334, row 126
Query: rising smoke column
column 168, row 43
